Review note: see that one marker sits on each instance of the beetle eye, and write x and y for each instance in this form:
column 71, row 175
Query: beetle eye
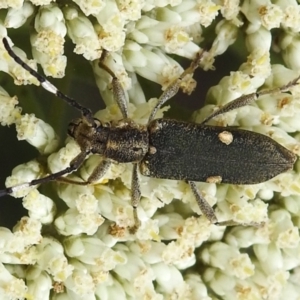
column 73, row 126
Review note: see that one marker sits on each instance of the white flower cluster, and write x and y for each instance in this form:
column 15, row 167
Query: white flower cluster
column 80, row 246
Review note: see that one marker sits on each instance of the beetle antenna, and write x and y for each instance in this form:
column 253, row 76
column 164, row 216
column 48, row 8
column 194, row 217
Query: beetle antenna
column 47, row 85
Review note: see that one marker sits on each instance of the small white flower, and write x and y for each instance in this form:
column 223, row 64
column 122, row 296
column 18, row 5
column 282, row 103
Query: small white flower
column 10, row 112
column 23, row 174
column 10, row 286
column 226, row 35
column 242, row 266
column 53, row 260
column 49, row 40
column 40, row 207
column 208, row 10
column 82, row 33
column 13, row 4
column 91, row 6
column 81, row 284
column 72, row 222
column 271, row 16
column 37, row 133
column 16, row 17
column 39, row 284
column 61, row 160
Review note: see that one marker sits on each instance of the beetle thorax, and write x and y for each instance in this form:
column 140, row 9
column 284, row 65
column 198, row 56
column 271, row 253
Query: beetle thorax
column 123, row 141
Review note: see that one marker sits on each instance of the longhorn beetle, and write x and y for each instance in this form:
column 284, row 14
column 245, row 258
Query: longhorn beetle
column 167, row 148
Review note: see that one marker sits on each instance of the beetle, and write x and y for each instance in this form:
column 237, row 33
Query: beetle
column 169, row 149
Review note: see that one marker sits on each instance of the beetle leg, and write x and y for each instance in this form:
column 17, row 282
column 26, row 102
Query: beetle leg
column 135, row 197
column 118, row 91
column 208, row 212
column 247, row 99
column 205, row 208
column 99, row 171
column 96, row 175
column 234, row 223
column 174, row 86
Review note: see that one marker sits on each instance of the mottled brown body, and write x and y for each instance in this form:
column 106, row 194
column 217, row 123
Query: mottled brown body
column 123, row 141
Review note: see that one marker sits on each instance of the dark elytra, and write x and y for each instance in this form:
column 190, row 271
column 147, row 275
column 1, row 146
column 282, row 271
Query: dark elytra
column 189, row 151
